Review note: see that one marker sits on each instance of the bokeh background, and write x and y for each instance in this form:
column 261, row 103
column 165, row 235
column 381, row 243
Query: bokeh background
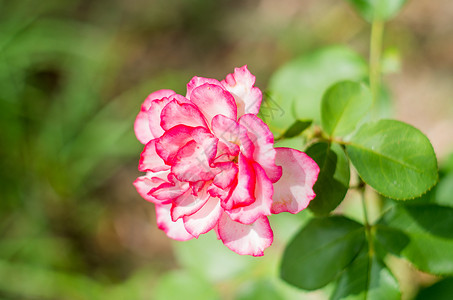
column 72, row 77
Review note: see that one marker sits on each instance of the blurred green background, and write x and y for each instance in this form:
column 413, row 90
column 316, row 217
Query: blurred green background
column 72, row 77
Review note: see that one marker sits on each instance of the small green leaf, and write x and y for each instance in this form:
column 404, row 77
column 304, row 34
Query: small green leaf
column 333, row 178
column 297, row 128
column 320, row 251
column 298, row 86
column 380, row 10
column 420, row 233
column 343, row 105
column 367, row 278
column 439, row 291
column 396, row 159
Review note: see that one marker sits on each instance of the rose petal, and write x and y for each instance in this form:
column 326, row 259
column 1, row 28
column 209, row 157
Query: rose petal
column 232, row 134
column 243, row 192
column 150, row 160
column 227, row 174
column 167, row 191
column 193, row 161
column 212, row 100
column 263, row 200
column 243, row 239
column 204, row 219
column 188, row 203
column 199, row 81
column 241, row 85
column 142, row 126
column 223, row 194
column 154, row 113
column 168, row 145
column 144, row 184
column 263, row 140
column 175, row 113
column 294, row 191
column 164, row 93
column 174, row 230
column 226, row 152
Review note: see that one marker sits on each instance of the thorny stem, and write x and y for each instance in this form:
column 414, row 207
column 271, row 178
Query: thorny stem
column 377, row 30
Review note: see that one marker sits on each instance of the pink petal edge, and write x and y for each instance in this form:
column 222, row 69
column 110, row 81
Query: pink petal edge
column 212, row 100
column 243, row 239
column 174, row 230
column 176, row 113
column 294, row 191
column 204, row 219
column 263, row 200
column 150, row 160
column 263, row 141
column 241, row 85
column 144, row 184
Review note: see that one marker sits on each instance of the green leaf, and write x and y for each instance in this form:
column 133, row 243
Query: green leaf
column 439, row 291
column 378, row 9
column 343, row 105
column 420, row 233
column 396, row 159
column 367, row 278
column 333, row 178
column 320, row 251
column 298, row 143
column 297, row 87
column 297, row 128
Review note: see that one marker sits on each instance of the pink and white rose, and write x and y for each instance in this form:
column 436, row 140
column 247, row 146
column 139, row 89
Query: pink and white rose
column 211, row 164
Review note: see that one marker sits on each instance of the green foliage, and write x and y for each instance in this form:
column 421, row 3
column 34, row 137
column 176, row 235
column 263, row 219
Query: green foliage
column 297, row 128
column 420, row 233
column 343, row 105
column 333, row 178
column 320, row 251
column 299, row 85
column 71, row 82
column 441, row 290
column 380, row 10
column 394, row 158
column 367, row 278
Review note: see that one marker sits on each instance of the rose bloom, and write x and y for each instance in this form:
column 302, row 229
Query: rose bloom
column 211, row 164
